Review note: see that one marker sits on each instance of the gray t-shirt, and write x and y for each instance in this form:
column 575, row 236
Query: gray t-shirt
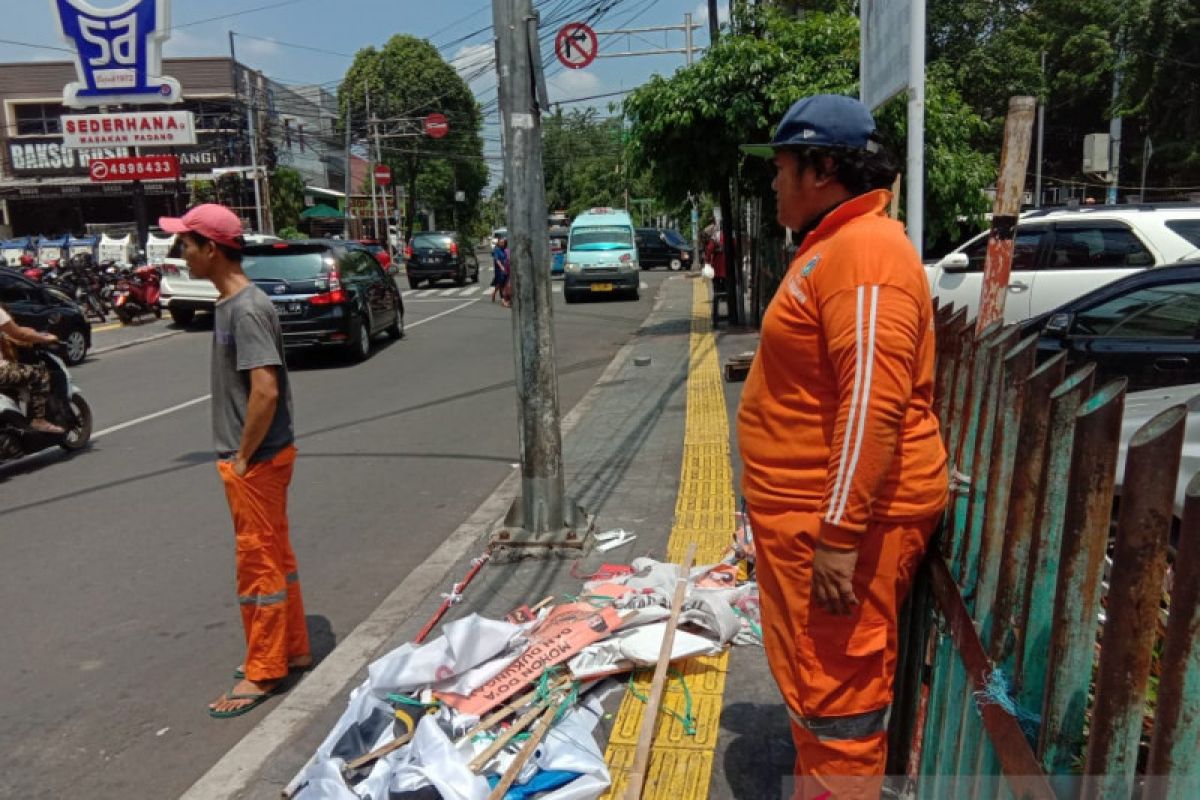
column 246, row 335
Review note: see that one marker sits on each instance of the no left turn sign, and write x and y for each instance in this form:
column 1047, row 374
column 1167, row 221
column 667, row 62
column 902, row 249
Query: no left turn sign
column 576, row 45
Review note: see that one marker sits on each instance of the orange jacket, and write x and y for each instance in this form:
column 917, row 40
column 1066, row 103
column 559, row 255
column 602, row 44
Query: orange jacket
column 836, row 414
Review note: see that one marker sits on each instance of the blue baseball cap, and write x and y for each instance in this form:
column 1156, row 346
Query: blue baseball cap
column 823, row 120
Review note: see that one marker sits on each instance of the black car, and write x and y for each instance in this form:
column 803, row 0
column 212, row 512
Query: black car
column 440, row 254
column 662, row 247
column 327, row 293
column 1145, row 326
column 46, row 309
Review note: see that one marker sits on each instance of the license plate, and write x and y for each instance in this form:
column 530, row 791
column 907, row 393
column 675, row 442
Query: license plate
column 289, row 308
column 602, row 287
column 430, row 260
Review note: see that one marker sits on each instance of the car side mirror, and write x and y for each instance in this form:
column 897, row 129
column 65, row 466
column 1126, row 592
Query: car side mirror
column 955, row 262
column 1059, row 324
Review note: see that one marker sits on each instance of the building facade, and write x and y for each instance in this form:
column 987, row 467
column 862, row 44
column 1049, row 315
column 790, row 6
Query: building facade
column 45, row 188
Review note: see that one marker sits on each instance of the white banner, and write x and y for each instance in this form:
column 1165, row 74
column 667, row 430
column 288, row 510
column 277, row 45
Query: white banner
column 137, row 129
column 884, row 26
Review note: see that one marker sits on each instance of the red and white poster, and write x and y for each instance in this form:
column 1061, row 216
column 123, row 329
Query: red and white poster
column 135, row 129
column 565, row 631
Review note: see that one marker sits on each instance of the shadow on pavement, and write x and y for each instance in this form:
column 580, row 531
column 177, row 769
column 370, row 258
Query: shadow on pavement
column 760, row 755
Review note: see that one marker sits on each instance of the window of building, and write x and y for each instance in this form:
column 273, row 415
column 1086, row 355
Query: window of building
column 38, row 119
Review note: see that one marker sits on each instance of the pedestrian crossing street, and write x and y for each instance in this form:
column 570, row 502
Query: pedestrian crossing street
column 433, row 293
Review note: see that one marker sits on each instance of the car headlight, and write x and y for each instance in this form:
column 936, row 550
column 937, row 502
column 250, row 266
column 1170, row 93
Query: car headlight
column 571, row 266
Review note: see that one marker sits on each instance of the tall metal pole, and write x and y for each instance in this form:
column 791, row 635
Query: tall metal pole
column 687, row 36
column 1147, row 151
column 1114, row 133
column 346, row 178
column 383, row 193
column 543, row 507
column 1041, row 126
column 915, row 211
column 374, row 201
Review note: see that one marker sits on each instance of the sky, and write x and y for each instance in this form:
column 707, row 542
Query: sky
column 314, row 41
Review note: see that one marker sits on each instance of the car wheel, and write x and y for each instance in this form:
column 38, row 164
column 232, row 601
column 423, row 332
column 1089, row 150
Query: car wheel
column 80, row 433
column 413, row 283
column 460, row 279
column 360, row 346
column 675, row 265
column 635, row 295
column 182, row 316
column 75, row 347
column 475, row 275
column 396, row 329
column 570, row 297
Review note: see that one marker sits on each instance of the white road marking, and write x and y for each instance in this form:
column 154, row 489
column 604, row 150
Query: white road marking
column 446, row 292
column 148, row 417
column 408, row 325
column 467, row 292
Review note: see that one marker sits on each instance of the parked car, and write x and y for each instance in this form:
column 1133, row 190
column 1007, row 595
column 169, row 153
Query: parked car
column 46, row 309
column 663, row 247
column 328, row 293
column 380, row 252
column 436, row 255
column 184, row 296
column 1060, row 254
column 602, row 256
column 1145, row 326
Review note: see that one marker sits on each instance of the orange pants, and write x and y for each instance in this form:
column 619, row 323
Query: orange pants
column 268, row 585
column 835, row 672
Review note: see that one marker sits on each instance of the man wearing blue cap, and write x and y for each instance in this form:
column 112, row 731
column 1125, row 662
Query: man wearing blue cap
column 844, row 469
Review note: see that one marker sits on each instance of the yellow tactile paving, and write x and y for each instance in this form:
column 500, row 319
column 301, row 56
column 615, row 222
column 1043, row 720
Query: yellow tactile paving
column 681, row 764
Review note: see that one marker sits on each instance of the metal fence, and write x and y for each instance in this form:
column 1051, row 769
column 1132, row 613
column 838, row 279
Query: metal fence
column 1036, row 658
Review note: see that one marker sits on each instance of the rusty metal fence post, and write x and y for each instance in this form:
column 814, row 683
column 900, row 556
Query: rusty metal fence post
column 1134, row 592
column 1084, row 544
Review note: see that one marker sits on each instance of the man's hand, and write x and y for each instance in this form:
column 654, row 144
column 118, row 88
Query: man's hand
column 49, row 338
column 832, row 579
column 240, row 465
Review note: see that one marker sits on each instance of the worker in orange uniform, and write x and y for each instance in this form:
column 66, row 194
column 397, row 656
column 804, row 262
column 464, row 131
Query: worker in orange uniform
column 844, row 469
column 252, row 433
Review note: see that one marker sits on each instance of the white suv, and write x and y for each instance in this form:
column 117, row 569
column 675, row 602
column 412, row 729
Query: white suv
column 183, row 296
column 1060, row 254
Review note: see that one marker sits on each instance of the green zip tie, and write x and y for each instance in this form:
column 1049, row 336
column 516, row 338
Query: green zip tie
column 405, row 700
column 754, row 626
column 688, row 720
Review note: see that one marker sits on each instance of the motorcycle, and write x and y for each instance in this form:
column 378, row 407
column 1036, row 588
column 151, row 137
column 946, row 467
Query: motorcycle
column 137, row 292
column 83, row 284
column 66, row 407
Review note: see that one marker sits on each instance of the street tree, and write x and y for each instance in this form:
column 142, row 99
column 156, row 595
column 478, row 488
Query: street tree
column 406, row 80
column 287, row 197
column 685, row 129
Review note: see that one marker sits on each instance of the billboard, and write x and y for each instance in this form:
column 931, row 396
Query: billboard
column 135, row 129
column 118, row 52
column 884, row 42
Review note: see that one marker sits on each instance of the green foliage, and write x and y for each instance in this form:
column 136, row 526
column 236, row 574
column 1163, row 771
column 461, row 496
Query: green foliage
column 201, row 192
column 407, row 80
column 287, row 197
column 289, row 233
column 582, row 161
column 685, row 129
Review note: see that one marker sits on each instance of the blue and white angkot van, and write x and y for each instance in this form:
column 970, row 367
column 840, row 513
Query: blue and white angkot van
column 602, row 256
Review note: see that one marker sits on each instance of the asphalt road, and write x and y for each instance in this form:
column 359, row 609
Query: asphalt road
column 116, row 565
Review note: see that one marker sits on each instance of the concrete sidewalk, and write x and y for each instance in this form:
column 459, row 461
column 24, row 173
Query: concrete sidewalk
column 648, row 450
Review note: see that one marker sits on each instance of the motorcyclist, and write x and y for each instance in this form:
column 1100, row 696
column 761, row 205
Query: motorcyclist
column 34, row 377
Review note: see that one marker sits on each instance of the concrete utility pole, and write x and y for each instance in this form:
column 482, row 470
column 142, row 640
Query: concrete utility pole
column 543, row 517
column 1114, row 134
column 374, row 201
column 1041, row 132
column 383, row 192
column 346, row 178
column 915, row 216
column 251, row 133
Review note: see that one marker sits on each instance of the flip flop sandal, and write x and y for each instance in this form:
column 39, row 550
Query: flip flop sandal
column 258, row 699
column 239, row 673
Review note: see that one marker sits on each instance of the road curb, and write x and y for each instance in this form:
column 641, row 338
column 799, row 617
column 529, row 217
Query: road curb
column 233, row 773
column 114, row 347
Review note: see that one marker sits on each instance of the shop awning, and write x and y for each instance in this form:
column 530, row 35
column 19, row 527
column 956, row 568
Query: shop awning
column 320, row 211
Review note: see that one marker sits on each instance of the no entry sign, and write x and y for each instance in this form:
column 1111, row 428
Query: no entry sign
column 383, row 175
column 133, row 168
column 576, row 45
column 436, row 125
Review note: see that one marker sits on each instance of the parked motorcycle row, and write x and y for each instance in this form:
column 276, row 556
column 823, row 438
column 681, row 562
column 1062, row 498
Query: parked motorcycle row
column 125, row 290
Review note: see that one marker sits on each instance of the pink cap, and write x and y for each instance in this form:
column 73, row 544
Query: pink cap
column 210, row 220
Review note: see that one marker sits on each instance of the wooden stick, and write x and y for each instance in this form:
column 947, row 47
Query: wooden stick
column 507, row 709
column 544, row 602
column 379, row 752
column 641, row 756
column 523, row 722
column 526, row 752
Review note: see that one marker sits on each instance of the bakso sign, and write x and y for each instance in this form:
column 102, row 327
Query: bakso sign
column 118, row 52
column 137, row 129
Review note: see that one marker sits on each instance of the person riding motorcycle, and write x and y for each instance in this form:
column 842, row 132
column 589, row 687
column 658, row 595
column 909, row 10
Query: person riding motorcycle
column 34, row 377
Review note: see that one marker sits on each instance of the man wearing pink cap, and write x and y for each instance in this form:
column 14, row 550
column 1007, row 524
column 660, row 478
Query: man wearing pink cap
column 252, row 434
